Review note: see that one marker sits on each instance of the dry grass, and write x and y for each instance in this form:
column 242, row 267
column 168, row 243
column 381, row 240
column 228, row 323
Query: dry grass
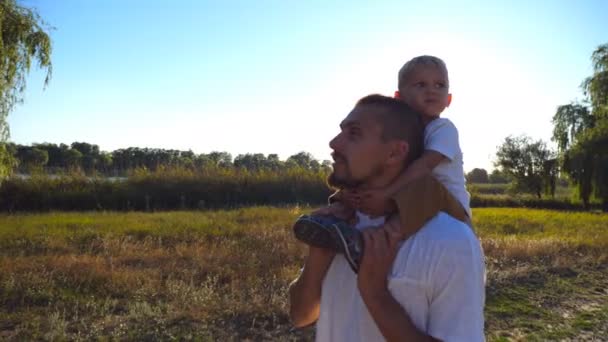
column 223, row 275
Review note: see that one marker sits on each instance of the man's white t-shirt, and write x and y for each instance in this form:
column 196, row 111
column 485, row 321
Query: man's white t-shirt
column 441, row 135
column 438, row 277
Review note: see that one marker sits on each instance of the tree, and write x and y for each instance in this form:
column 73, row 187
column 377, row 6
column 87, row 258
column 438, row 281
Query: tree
column 569, row 122
column 498, row 177
column 527, row 162
column 221, row 159
column 105, row 162
column 581, row 132
column 7, row 160
column 251, row 162
column 35, row 160
column 304, row 160
column 22, row 40
column 477, row 176
column 72, row 159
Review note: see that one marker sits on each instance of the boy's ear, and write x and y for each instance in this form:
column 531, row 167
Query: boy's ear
column 397, row 94
column 449, row 99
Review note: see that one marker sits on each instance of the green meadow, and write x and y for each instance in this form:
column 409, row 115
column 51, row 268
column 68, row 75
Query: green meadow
column 223, row 275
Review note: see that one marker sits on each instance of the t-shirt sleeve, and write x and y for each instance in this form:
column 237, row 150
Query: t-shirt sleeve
column 458, row 294
column 442, row 136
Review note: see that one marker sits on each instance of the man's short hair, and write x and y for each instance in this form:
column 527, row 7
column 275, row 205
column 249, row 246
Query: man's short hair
column 410, row 65
column 399, row 122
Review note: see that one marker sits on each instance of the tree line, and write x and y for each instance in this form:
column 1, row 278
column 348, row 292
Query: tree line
column 88, row 159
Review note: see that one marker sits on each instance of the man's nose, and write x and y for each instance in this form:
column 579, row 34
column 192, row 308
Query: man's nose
column 334, row 143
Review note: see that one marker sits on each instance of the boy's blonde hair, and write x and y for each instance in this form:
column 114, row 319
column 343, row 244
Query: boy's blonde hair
column 408, row 67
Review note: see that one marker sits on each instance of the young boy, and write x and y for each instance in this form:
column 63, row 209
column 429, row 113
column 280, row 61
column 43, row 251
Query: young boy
column 434, row 182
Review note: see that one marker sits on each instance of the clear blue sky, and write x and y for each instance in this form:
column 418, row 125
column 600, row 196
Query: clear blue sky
column 278, row 76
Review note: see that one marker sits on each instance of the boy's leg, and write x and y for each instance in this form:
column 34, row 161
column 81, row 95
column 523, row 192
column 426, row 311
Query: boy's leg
column 420, row 201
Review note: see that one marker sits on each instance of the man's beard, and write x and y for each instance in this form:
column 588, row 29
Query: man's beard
column 341, row 183
column 348, row 181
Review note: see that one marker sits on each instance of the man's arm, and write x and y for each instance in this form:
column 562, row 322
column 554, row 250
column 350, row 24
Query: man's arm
column 391, row 319
column 305, row 291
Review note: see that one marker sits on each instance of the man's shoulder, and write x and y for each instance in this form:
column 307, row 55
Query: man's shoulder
column 444, row 231
column 442, row 241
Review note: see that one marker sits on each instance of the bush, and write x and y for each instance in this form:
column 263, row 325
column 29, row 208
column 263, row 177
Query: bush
column 165, row 189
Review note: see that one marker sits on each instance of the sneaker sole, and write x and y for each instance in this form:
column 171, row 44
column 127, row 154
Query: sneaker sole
column 313, row 234
column 344, row 249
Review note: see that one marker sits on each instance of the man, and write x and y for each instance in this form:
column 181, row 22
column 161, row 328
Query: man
column 430, row 287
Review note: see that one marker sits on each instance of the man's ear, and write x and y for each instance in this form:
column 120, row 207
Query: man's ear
column 449, row 99
column 399, row 152
column 397, row 95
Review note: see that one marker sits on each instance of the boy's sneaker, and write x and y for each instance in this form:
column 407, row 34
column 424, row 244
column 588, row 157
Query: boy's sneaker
column 350, row 243
column 315, row 231
column 331, row 233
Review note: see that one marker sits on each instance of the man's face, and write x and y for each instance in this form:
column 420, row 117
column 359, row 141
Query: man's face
column 358, row 150
column 426, row 90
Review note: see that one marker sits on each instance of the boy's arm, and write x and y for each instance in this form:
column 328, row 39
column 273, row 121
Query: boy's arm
column 441, row 144
column 382, row 201
column 420, row 167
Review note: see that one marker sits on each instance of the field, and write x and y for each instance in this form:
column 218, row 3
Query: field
column 223, row 275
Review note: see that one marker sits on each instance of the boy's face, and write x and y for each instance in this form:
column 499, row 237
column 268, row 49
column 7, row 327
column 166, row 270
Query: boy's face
column 426, row 90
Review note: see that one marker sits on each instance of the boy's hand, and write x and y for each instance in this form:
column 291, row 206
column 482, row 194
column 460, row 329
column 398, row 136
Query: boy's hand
column 351, row 197
column 376, row 202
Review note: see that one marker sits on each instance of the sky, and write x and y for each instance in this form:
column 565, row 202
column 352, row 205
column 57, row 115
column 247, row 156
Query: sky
column 278, row 76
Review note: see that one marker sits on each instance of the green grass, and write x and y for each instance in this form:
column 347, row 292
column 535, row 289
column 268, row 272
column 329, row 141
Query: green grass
column 223, row 275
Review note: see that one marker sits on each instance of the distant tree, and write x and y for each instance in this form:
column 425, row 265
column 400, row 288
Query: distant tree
column 86, row 148
column 186, row 159
column 222, row 159
column 22, row 40
column 569, row 122
column 55, row 155
column 304, row 160
column 581, row 133
column 525, row 161
column 105, row 163
column 90, row 155
column 34, row 159
column 498, row 177
column 326, row 166
column 73, row 159
column 273, row 163
column 8, row 160
column 477, row 176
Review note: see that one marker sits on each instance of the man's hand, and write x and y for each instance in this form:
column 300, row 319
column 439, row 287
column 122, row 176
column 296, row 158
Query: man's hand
column 381, row 248
column 375, row 202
